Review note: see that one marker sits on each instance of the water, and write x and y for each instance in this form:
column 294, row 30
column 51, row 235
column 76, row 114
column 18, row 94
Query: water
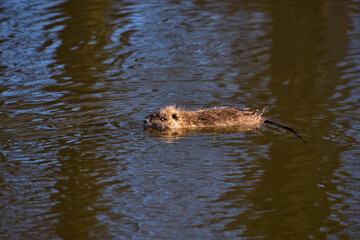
column 77, row 79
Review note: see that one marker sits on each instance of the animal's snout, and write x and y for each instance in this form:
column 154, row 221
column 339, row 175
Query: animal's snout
column 146, row 121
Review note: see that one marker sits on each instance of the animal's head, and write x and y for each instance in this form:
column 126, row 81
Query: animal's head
column 165, row 118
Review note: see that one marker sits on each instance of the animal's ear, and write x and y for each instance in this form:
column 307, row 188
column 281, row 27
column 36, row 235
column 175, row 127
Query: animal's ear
column 174, row 116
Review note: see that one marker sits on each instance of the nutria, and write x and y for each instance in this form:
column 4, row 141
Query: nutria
column 173, row 117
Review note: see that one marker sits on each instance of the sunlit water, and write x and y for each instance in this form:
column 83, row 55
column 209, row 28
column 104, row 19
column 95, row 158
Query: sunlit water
column 78, row 77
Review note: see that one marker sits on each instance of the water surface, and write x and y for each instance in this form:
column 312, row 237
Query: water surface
column 77, row 79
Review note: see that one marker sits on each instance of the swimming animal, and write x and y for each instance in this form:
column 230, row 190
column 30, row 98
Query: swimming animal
column 172, row 117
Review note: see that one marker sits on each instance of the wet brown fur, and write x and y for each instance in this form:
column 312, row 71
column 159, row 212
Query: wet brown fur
column 172, row 117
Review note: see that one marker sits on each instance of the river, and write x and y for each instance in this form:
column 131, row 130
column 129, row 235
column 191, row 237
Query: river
column 77, row 79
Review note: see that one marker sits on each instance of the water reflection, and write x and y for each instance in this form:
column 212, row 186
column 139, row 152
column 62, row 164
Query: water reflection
column 78, row 78
column 80, row 174
column 299, row 55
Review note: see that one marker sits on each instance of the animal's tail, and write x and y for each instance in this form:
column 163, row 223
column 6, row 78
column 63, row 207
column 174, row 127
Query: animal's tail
column 286, row 127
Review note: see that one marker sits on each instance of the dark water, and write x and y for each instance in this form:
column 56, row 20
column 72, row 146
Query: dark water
column 77, row 78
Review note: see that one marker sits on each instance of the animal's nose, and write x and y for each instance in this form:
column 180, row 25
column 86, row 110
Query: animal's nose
column 145, row 122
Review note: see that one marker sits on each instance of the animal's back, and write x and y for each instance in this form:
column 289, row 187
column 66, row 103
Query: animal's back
column 224, row 117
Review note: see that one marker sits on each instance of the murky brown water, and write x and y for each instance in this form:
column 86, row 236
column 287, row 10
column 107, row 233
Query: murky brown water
column 77, row 78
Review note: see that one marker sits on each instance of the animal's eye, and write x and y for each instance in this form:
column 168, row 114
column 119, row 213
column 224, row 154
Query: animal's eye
column 174, row 116
column 162, row 119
